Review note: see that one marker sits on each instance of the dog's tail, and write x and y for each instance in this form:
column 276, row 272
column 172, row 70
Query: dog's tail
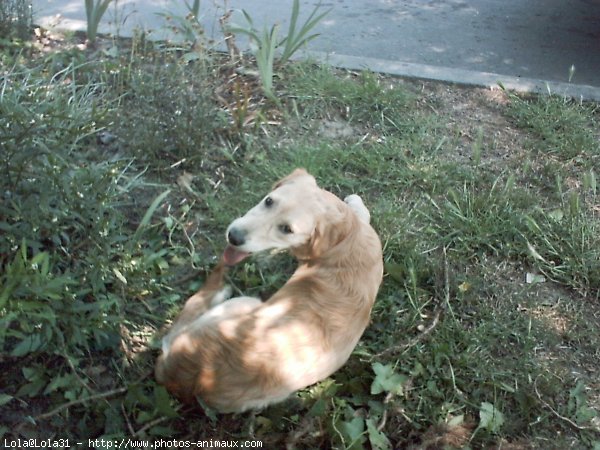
column 178, row 373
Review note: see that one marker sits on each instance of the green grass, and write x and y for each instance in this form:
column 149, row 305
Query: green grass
column 102, row 242
column 559, row 126
column 358, row 98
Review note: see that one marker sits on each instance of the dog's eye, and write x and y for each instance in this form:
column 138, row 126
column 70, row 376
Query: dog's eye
column 285, row 229
column 268, row 202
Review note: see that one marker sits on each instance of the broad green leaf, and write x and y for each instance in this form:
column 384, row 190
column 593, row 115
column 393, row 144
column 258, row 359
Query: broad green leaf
column 386, row 380
column 396, row 271
column 60, row 382
column 354, row 430
column 557, row 215
column 490, row 418
column 31, row 343
column 456, row 421
column 378, row 439
column 578, row 404
column 162, row 400
column 5, row 398
column 31, row 389
column 318, row 409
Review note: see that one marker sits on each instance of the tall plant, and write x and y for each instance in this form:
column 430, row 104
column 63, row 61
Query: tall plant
column 94, row 10
column 266, row 43
column 294, row 40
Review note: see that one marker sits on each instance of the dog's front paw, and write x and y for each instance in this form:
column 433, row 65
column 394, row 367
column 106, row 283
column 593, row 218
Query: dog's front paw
column 356, row 204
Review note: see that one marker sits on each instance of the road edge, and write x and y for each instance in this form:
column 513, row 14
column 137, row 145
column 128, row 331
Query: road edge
column 455, row 76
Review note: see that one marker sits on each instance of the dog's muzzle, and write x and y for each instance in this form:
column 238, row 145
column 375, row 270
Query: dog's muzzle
column 236, row 237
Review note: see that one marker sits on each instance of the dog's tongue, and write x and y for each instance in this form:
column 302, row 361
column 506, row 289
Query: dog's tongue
column 232, row 256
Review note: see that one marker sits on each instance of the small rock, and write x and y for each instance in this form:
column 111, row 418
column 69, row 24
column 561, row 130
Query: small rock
column 106, row 137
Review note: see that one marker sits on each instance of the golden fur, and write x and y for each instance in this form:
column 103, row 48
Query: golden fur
column 242, row 353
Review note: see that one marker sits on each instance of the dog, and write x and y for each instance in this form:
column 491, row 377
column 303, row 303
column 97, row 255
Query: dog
column 241, row 353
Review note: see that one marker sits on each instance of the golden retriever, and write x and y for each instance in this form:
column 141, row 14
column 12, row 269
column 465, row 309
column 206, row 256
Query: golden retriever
column 242, row 353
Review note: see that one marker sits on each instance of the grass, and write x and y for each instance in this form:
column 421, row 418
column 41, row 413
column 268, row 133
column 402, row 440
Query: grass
column 560, row 126
column 104, row 239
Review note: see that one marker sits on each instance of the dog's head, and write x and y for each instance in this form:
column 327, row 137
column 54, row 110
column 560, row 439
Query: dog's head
column 289, row 217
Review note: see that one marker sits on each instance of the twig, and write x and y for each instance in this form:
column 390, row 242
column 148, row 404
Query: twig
column 72, row 366
column 382, row 422
column 127, row 421
column 547, row 405
column 234, row 52
column 446, row 279
column 446, row 304
column 414, row 341
column 90, row 398
column 149, row 425
column 79, row 401
column 436, row 318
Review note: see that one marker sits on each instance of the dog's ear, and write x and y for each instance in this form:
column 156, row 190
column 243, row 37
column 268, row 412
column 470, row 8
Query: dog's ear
column 295, row 175
column 332, row 227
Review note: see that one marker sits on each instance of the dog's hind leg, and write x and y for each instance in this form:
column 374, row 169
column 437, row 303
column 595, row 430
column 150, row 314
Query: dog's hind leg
column 356, row 204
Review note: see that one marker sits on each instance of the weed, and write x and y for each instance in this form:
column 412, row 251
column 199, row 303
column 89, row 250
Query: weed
column 15, row 19
column 158, row 116
column 190, row 30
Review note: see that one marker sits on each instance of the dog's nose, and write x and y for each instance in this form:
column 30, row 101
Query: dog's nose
column 236, row 237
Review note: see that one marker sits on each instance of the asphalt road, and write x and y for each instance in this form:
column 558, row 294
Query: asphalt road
column 521, row 39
